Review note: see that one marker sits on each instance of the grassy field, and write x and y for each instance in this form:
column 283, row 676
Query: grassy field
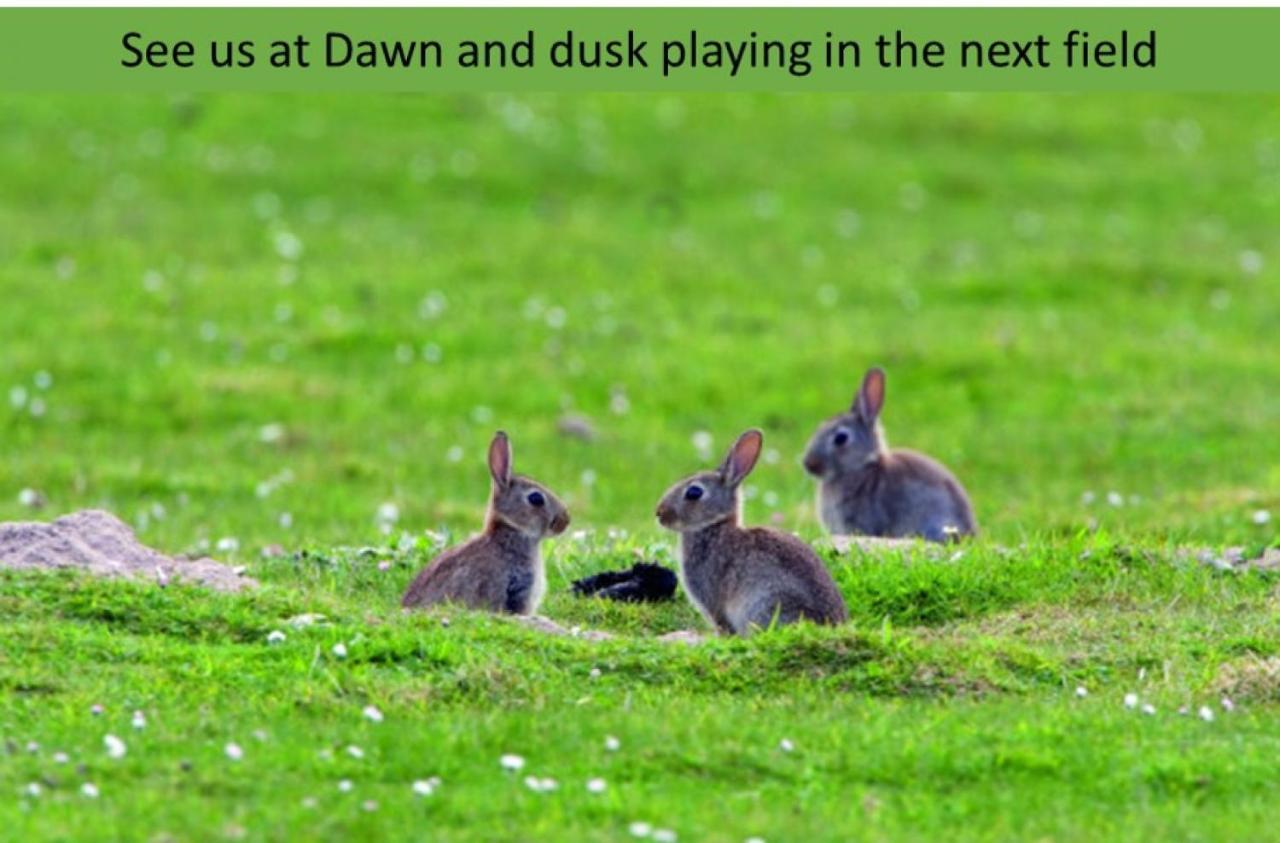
column 240, row 322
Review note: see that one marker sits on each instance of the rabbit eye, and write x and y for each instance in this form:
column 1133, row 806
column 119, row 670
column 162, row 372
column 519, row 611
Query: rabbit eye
column 842, row 438
column 693, row 492
column 536, row 498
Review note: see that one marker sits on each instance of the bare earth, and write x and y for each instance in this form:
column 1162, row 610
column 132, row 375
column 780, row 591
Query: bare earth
column 101, row 544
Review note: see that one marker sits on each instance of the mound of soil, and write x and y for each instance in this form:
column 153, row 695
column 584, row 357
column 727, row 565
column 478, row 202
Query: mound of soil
column 101, row 544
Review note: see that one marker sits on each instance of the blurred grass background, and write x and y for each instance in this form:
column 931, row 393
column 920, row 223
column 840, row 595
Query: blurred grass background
column 224, row 314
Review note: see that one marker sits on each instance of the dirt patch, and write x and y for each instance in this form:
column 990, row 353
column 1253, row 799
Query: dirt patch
column 101, row 544
column 1249, row 678
column 1233, row 559
column 541, row 623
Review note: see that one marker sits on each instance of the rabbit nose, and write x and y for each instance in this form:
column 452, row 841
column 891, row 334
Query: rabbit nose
column 812, row 465
column 560, row 522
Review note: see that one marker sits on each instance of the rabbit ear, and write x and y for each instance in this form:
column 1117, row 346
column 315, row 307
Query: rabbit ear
column 500, row 459
column 742, row 457
column 870, row 397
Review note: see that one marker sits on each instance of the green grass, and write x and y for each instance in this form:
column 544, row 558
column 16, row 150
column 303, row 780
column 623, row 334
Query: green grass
column 1071, row 294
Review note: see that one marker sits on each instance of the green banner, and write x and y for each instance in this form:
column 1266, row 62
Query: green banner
column 399, row 49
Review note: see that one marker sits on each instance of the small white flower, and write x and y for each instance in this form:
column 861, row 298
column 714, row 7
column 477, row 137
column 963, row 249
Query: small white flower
column 372, row 713
column 340, row 650
column 345, row 785
column 96, row 709
column 17, row 397
column 433, row 305
column 664, row 835
column 640, row 829
column 285, row 520
column 275, row 636
column 355, row 751
column 594, row 673
column 1088, row 498
column 512, row 762
column 754, row 840
column 33, row 789
column 369, row 805
column 228, row 544
column 612, row 744
column 29, row 498
column 1227, row 704
column 288, row 246
column 1250, row 262
column 33, row 747
column 1206, row 714
column 310, row 802
column 1261, row 517
column 260, row 735
column 1115, row 499
column 89, row 790
column 786, row 745
column 1131, row 700
column 1082, row 691
column 596, row 785
column 1148, row 708
column 702, row 442
column 538, row 785
column 139, row 720
column 233, row 751
column 424, row 787
column 388, row 513
column 271, row 433
column 115, row 746
column 60, row 758
column 848, row 221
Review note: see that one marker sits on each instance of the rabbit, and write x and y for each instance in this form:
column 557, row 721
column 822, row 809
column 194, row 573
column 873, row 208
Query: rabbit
column 742, row 579
column 499, row 570
column 865, row 488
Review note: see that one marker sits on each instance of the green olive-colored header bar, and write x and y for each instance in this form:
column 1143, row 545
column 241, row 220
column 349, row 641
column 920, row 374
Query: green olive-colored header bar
column 398, row 49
